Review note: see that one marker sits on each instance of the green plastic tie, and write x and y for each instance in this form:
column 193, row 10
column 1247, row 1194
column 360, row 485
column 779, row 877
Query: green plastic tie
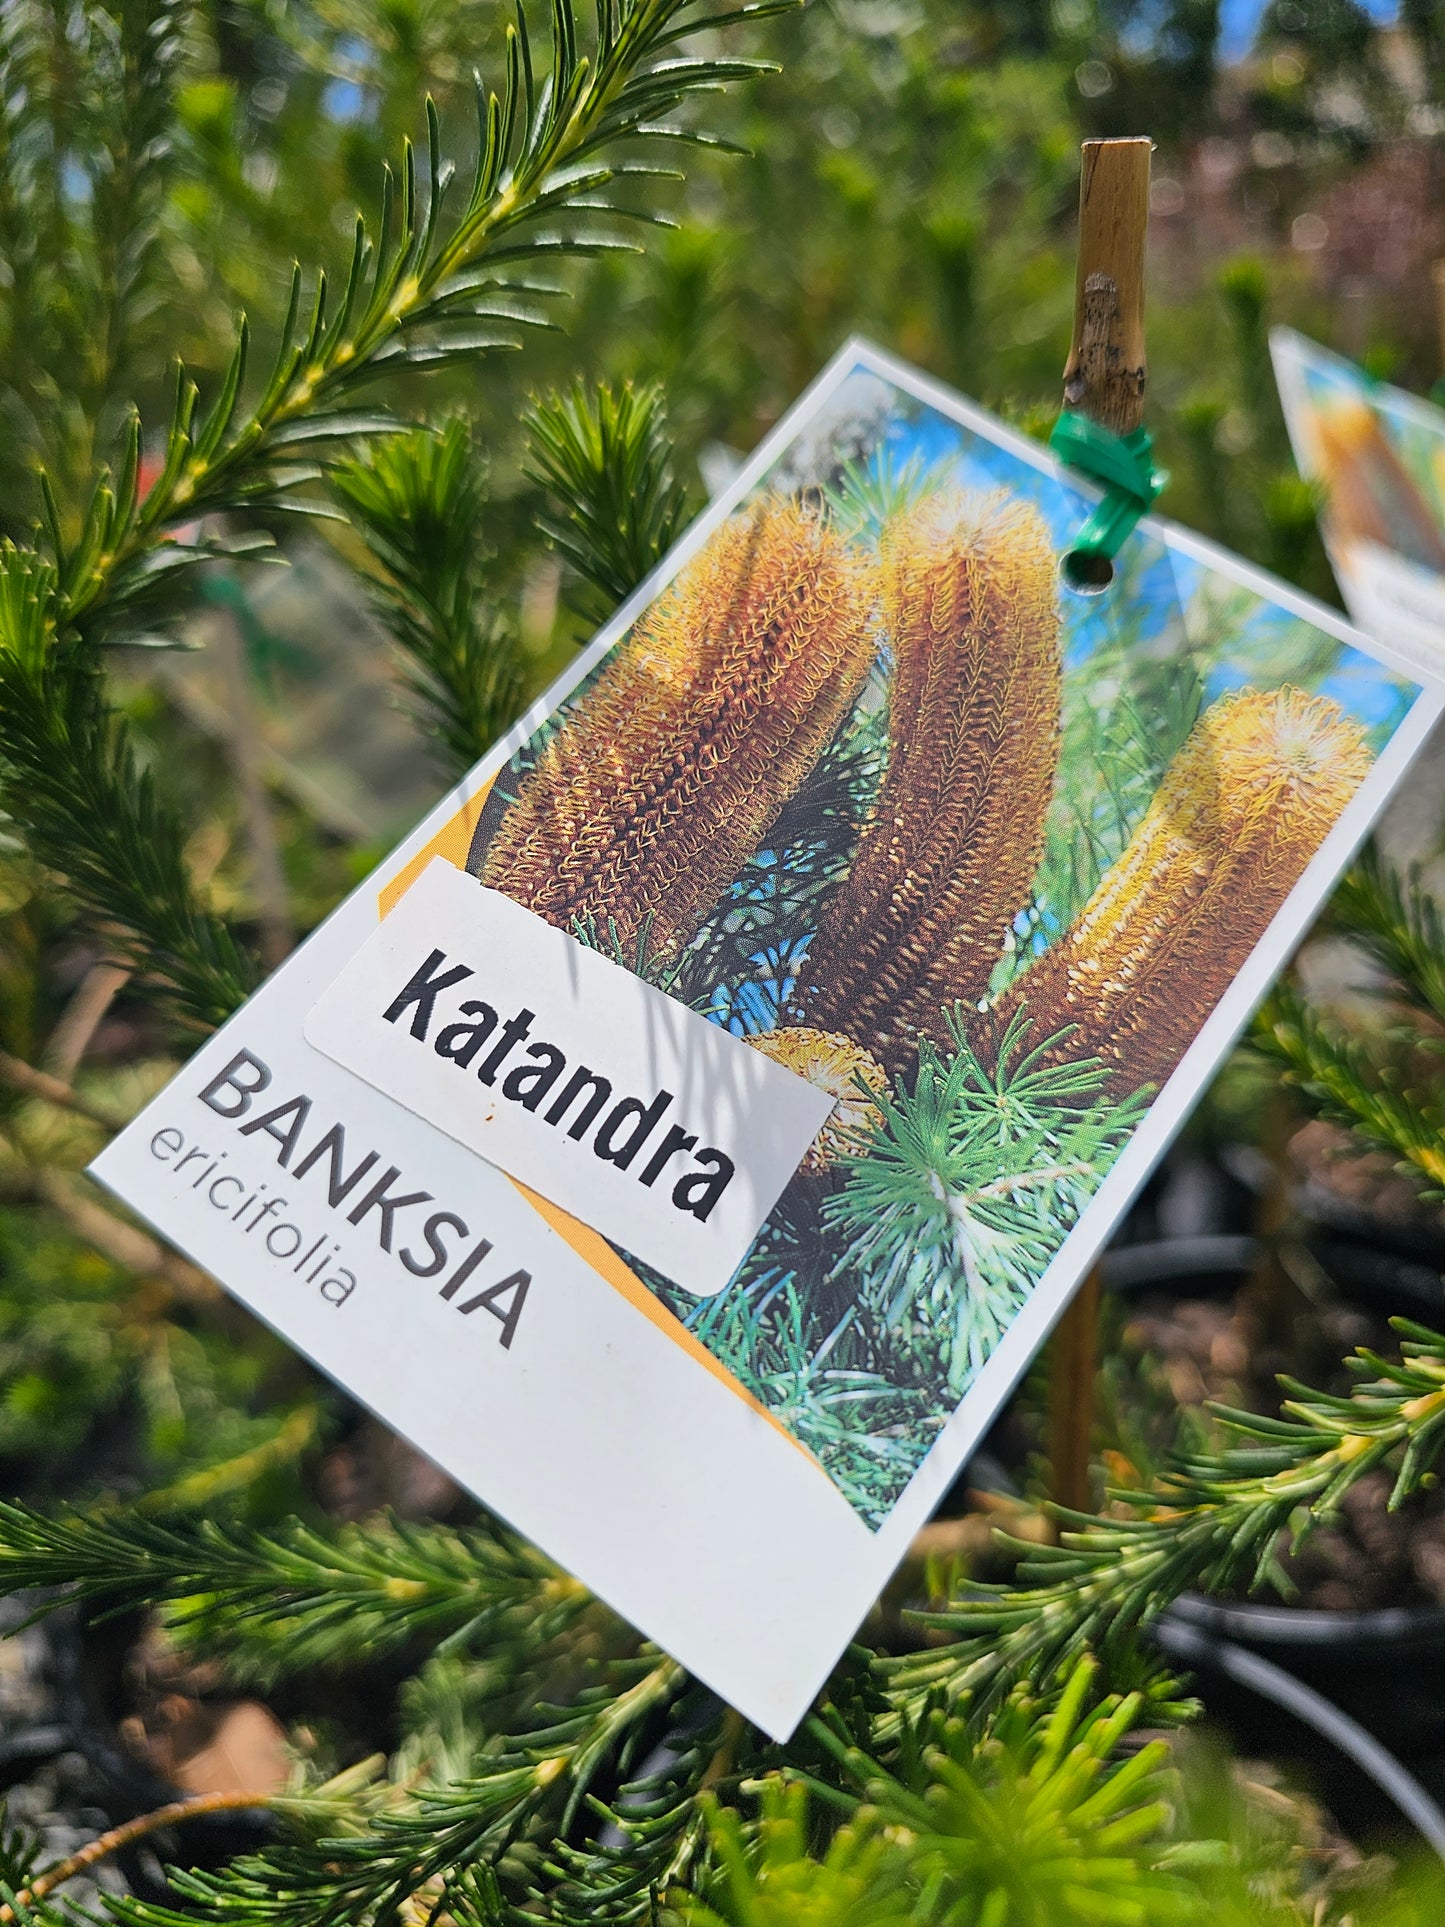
column 1122, row 465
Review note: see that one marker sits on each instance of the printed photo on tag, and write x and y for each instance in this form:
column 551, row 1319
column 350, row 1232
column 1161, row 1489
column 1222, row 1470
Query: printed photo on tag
column 726, row 1087
column 1379, row 455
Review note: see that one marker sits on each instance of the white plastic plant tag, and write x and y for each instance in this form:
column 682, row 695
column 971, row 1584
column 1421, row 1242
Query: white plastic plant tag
column 854, row 792
column 1379, row 454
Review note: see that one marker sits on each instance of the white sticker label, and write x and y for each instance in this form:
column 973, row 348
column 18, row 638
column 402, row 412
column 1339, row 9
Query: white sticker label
column 668, row 1135
column 1396, row 600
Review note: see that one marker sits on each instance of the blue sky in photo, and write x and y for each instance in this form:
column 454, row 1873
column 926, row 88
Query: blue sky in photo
column 1261, row 639
column 1240, row 18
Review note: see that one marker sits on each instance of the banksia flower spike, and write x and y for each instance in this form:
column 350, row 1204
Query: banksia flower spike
column 670, row 770
column 842, row 1068
column 1241, row 810
column 1372, row 495
column 969, row 591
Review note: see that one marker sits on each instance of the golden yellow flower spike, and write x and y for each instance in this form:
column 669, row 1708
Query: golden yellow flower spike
column 969, row 589
column 672, row 768
column 1241, row 810
column 1372, row 495
column 836, row 1065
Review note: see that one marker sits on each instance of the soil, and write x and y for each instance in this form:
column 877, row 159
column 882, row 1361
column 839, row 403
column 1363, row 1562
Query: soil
column 1334, row 1172
column 1229, row 1350
column 1374, row 1557
column 188, row 1730
column 50, row 1788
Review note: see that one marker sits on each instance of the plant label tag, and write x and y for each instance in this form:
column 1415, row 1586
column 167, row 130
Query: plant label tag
column 662, row 1131
column 688, row 1136
column 1379, row 454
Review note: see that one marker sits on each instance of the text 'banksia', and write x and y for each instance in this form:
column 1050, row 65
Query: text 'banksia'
column 671, row 768
column 969, row 590
column 1242, row 808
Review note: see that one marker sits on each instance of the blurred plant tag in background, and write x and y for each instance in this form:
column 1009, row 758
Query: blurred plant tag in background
column 1378, row 453
column 997, row 867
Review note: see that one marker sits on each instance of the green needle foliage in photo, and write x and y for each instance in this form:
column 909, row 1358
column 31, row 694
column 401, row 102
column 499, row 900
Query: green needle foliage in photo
column 878, row 1290
column 953, row 1209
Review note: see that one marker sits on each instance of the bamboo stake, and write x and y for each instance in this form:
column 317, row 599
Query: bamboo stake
column 1104, row 378
column 1106, row 371
column 82, row 1016
column 1437, row 275
column 21, row 1076
column 1073, row 1367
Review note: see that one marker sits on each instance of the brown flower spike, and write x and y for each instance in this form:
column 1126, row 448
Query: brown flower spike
column 969, row 590
column 1242, row 808
column 671, row 769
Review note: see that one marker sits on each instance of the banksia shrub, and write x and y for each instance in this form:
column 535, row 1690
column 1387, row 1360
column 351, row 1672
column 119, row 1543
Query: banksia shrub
column 969, row 590
column 842, row 1068
column 671, row 768
column 1243, row 807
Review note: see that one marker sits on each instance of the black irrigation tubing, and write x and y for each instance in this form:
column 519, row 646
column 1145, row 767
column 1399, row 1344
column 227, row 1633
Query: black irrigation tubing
column 1132, row 1267
column 1192, row 1645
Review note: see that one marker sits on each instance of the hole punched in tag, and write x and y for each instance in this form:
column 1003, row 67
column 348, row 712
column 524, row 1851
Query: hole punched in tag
column 1085, row 572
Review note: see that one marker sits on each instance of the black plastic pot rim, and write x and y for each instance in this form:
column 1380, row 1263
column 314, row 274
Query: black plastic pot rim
column 1162, row 1260
column 1381, row 1279
column 1388, row 1629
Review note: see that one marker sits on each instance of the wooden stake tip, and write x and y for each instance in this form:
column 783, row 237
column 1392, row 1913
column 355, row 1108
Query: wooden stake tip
column 1106, row 372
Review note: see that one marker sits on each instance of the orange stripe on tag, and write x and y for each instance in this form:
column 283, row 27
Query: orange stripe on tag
column 452, row 841
column 595, row 1250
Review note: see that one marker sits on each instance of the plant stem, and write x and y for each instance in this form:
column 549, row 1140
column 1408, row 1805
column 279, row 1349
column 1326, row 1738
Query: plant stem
column 54, row 1090
column 199, row 1489
column 124, row 1244
column 71, row 1038
column 122, row 1836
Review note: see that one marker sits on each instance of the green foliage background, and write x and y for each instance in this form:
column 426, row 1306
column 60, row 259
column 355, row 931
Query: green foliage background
column 912, row 173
